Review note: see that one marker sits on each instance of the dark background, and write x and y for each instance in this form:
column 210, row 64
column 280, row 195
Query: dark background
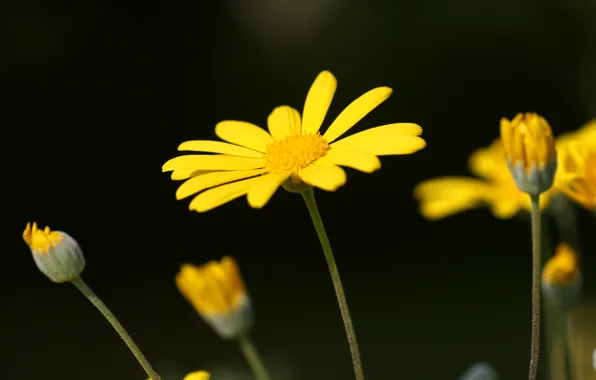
column 97, row 95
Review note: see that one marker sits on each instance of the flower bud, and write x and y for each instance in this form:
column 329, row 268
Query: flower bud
column 56, row 254
column 561, row 278
column 530, row 152
column 480, row 371
column 217, row 293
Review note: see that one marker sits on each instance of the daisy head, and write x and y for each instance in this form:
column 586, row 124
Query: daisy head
column 292, row 153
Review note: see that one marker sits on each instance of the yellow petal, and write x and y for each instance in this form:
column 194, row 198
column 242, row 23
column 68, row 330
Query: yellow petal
column 212, row 162
column 489, row 162
column 399, row 138
column 217, row 196
column 326, row 177
column 205, row 181
column 442, row 197
column 243, row 134
column 259, row 194
column 219, row 147
column 284, row 121
column 180, row 174
column 356, row 111
column 394, row 145
column 359, row 160
column 505, row 209
column 317, row 102
column 198, row 375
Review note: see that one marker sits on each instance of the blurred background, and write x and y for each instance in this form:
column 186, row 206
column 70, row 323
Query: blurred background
column 97, row 95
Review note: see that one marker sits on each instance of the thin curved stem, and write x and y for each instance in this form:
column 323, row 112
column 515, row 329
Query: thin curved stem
column 536, row 260
column 105, row 311
column 313, row 210
column 253, row 358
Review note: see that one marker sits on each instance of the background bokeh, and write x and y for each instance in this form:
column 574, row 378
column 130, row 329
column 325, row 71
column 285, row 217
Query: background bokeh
column 97, row 95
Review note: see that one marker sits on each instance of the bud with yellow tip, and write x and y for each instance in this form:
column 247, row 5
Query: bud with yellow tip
column 217, row 293
column 530, row 151
column 561, row 278
column 56, row 254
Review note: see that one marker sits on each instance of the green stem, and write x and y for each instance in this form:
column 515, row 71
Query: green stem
column 94, row 299
column 253, row 358
column 567, row 342
column 313, row 210
column 536, row 235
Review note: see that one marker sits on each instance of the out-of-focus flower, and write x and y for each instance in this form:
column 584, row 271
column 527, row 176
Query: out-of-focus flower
column 445, row 196
column 586, row 134
column 480, row 371
column 197, row 375
column 56, row 254
column 530, row 151
column 561, row 278
column 292, row 154
column 218, row 294
column 577, row 173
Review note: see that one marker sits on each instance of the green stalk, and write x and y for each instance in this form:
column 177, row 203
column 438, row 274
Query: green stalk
column 111, row 318
column 313, row 210
column 536, row 260
column 253, row 358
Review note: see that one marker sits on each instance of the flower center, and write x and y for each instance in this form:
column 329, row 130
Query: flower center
column 294, row 152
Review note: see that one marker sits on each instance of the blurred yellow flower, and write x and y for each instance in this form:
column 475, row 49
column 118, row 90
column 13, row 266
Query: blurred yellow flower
column 445, row 196
column 530, row 151
column 577, row 173
column 197, row 375
column 585, row 134
column 255, row 162
column 56, row 254
column 218, row 294
column 561, row 278
column 562, row 268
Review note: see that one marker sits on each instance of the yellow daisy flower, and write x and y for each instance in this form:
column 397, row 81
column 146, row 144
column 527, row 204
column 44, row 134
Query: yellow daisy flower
column 197, row 375
column 442, row 197
column 586, row 134
column 561, row 278
column 217, row 292
column 530, row 151
column 577, row 173
column 255, row 162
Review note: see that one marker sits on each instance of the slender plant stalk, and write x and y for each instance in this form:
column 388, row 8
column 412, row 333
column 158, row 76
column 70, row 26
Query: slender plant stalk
column 94, row 299
column 567, row 329
column 253, row 358
column 313, row 210
column 536, row 243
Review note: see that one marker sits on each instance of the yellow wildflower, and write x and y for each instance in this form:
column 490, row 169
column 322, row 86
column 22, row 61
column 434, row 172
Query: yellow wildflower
column 442, row 197
column 217, row 293
column 530, row 150
column 585, row 134
column 197, row 375
column 293, row 153
column 561, row 277
column 577, row 173
column 56, row 254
